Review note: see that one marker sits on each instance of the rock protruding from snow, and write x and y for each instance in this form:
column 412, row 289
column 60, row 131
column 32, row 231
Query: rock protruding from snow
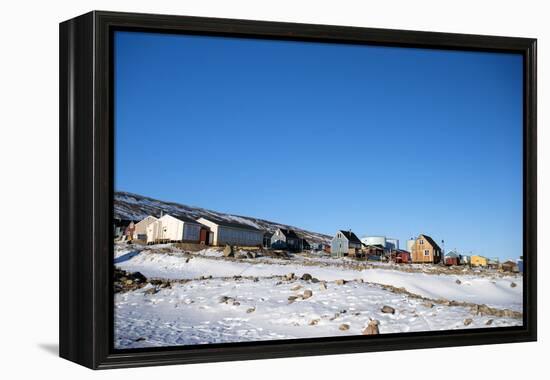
column 388, row 309
column 228, row 251
column 291, row 299
column 290, row 277
column 229, row 300
column 372, row 328
column 126, row 281
column 344, row 327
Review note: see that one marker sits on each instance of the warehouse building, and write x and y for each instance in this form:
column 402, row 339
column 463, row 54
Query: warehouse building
column 233, row 233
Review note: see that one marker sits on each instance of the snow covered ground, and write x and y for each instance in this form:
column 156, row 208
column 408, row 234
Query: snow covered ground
column 190, row 312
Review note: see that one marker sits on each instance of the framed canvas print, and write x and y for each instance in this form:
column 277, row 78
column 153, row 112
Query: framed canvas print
column 235, row 189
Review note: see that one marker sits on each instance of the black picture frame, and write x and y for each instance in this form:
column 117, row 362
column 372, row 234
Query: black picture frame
column 86, row 189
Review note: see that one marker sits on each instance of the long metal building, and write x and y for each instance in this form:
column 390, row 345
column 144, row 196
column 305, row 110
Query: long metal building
column 233, row 233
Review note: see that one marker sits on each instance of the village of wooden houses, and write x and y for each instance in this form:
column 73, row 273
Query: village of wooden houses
column 216, row 278
column 217, row 232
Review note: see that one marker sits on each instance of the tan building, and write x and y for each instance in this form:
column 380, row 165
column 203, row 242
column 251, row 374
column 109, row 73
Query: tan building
column 168, row 229
column 425, row 250
column 140, row 230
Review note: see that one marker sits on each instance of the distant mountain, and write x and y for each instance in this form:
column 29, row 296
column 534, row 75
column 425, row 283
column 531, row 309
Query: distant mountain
column 136, row 207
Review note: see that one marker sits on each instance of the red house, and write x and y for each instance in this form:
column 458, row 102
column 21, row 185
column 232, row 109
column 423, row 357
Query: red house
column 401, row 256
column 452, row 258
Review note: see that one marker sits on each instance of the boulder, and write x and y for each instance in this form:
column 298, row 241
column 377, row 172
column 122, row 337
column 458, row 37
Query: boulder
column 482, row 310
column 468, row 321
column 388, row 309
column 306, row 277
column 513, row 284
column 251, row 310
column 228, row 251
column 489, row 322
column 344, row 327
column 313, row 322
column 307, row 294
column 138, row 277
column 323, row 286
column 228, row 300
column 372, row 328
column 292, row 299
column 458, row 281
column 151, row 290
column 315, row 280
column 290, row 277
column 296, row 287
column 340, row 282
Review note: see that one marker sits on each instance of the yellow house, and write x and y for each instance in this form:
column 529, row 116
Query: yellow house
column 478, row 261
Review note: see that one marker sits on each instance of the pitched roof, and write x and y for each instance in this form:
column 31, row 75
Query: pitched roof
column 182, row 218
column 351, row 236
column 289, row 233
column 431, row 241
column 231, row 224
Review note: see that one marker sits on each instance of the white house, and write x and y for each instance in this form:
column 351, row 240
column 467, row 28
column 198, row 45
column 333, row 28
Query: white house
column 140, row 229
column 169, row 228
column 229, row 232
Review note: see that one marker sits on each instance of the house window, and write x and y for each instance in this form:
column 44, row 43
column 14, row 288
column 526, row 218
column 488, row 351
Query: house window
column 426, row 252
column 421, row 242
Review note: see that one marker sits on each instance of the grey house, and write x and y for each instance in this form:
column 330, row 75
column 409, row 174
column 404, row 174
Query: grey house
column 345, row 243
column 286, row 239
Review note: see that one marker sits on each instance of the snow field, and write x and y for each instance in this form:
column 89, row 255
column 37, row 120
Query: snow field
column 191, row 313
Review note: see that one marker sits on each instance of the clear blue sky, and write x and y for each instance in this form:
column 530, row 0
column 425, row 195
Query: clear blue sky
column 381, row 140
